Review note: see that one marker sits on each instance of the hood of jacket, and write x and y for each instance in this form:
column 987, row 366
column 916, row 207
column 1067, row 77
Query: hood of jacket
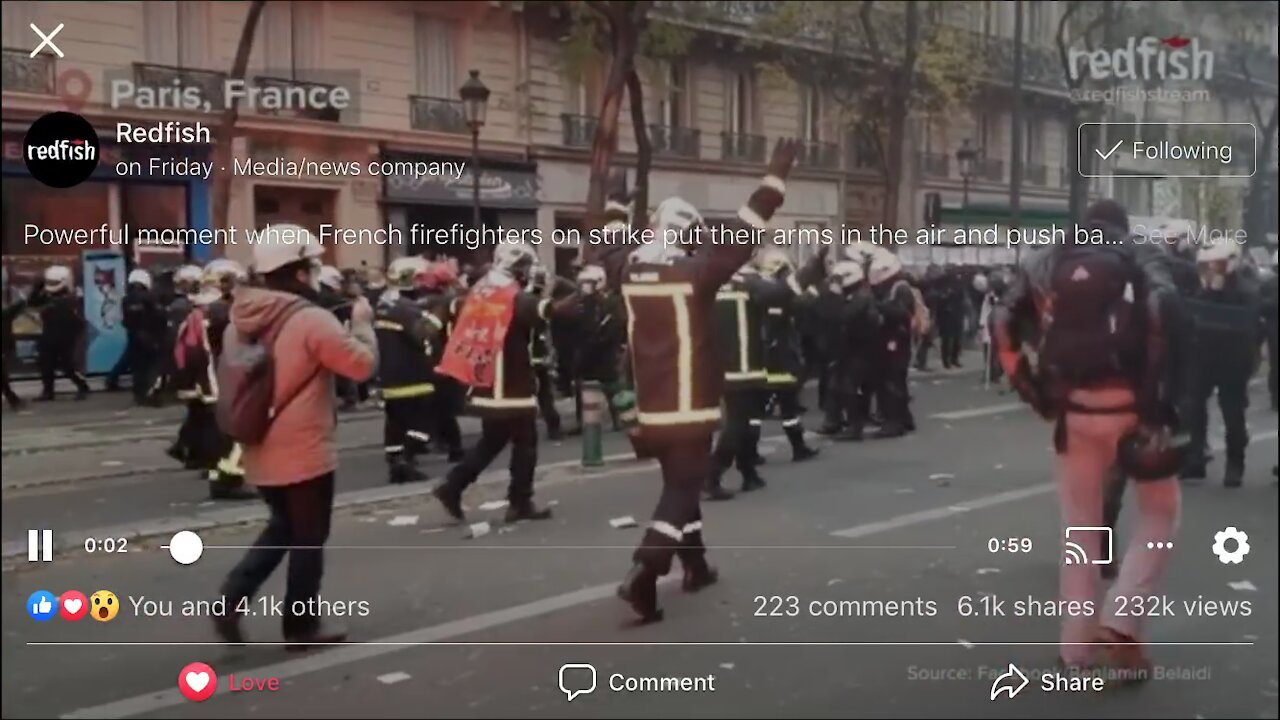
column 254, row 310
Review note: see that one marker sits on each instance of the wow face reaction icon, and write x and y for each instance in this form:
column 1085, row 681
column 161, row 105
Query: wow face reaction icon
column 103, row 606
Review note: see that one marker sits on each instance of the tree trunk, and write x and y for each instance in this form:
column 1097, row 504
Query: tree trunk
column 898, row 117
column 624, row 36
column 225, row 135
column 644, row 150
column 1256, row 204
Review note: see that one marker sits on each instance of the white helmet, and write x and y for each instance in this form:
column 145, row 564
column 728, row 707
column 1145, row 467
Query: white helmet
column 331, row 277
column 284, row 243
column 222, row 270
column 980, row 283
column 58, row 278
column 672, row 219
column 1217, row 261
column 401, row 272
column 141, row 277
column 186, row 279
column 884, row 266
column 772, row 260
column 847, row 273
column 512, row 258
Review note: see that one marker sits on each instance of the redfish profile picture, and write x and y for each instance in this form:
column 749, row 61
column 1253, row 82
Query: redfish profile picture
column 1176, row 41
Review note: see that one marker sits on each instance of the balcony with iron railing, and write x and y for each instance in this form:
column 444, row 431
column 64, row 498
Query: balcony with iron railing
column 742, row 147
column 935, row 164
column 286, row 86
column 579, row 130
column 437, row 114
column 1036, row 174
column 990, row 169
column 210, row 83
column 674, row 140
column 23, row 73
column 818, row 154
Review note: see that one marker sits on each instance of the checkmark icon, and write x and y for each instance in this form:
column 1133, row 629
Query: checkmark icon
column 1109, row 152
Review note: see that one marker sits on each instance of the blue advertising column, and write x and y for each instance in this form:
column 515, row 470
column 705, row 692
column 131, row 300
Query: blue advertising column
column 103, row 272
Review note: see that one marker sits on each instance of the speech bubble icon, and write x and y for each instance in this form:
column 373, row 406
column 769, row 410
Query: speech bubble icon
column 573, row 684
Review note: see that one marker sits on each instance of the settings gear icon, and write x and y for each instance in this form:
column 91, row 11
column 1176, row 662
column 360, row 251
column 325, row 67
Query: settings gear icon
column 1230, row 557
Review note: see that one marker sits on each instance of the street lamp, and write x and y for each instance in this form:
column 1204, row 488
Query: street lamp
column 475, row 101
column 966, row 156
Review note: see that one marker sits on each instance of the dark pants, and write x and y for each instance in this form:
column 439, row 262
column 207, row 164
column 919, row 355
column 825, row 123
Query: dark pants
column 446, row 403
column 734, row 445
column 547, row 398
column 521, row 431
column 893, row 399
column 298, row 526
column 950, row 340
column 9, row 394
column 55, row 360
column 141, row 361
column 787, row 398
column 406, row 427
column 1233, row 400
column 677, row 520
column 854, row 391
column 922, row 351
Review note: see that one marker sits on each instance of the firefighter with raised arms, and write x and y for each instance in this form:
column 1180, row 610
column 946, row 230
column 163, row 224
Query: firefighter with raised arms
column 670, row 287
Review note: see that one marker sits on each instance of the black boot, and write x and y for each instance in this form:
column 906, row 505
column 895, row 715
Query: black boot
column 639, row 589
column 451, row 499
column 456, row 454
column 526, row 511
column 1233, row 476
column 850, row 435
column 889, row 430
column 713, row 490
column 698, row 574
column 227, row 626
column 751, row 480
column 799, row 450
column 229, row 487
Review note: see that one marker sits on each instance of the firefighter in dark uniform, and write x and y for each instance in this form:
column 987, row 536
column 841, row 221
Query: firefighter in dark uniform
column 508, row 410
column 600, row 333
column 857, row 329
column 782, row 299
column 896, row 305
column 226, row 478
column 671, row 296
column 739, row 321
column 61, row 327
column 541, row 357
column 405, row 345
column 144, row 322
column 438, row 296
column 1227, row 318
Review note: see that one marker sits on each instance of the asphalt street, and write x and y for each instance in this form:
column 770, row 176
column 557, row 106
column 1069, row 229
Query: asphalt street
column 450, row 625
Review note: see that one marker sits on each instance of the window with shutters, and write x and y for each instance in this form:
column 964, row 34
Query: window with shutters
column 436, row 62
column 176, row 34
column 673, row 101
column 811, row 130
column 740, row 103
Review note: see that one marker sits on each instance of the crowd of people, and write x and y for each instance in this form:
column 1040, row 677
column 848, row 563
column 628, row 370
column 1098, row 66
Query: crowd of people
column 695, row 345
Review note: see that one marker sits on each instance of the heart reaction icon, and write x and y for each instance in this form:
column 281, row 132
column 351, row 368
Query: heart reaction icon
column 197, row 681
column 73, row 605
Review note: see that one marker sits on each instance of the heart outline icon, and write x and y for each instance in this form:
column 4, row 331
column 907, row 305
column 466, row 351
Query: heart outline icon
column 197, row 682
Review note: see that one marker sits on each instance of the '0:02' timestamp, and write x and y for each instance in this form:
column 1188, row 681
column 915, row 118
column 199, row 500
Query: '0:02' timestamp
column 107, row 545
column 1009, row 545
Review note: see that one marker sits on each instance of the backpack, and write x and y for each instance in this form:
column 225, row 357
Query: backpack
column 246, row 378
column 1093, row 328
column 189, row 349
column 921, row 318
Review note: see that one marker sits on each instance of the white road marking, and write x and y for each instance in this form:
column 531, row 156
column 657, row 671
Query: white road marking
column 393, row 678
column 979, row 411
column 345, row 654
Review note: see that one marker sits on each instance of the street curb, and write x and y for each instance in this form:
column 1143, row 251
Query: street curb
column 164, row 432
column 172, row 466
column 225, row 517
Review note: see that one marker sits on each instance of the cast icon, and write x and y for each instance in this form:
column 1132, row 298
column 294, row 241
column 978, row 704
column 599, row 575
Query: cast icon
column 103, row 606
